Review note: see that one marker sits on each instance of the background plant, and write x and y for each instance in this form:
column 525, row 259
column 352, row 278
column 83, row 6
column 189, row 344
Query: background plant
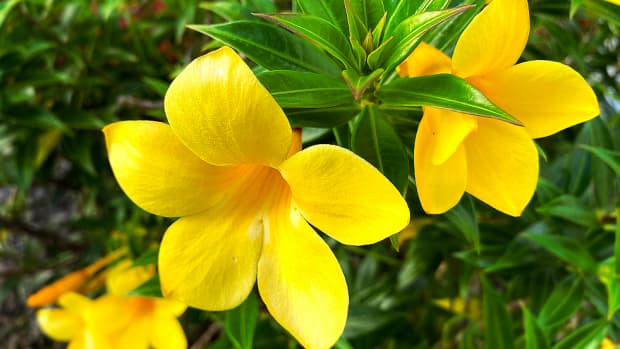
column 470, row 278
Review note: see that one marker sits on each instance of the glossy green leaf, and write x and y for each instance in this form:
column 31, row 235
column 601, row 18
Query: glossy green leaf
column 359, row 84
column 330, row 10
column 498, row 326
column 264, row 6
column 569, row 208
column 603, row 9
column 589, row 336
column 444, row 35
column 375, row 140
column 357, row 25
column 319, row 32
column 610, row 157
column 568, row 249
column 322, row 117
column 407, row 35
column 603, row 176
column 566, row 298
column 293, row 89
column 611, row 279
column 535, row 337
column 441, row 91
column 229, row 10
column 574, row 6
column 398, row 11
column 240, row 323
column 271, row 47
column 369, row 11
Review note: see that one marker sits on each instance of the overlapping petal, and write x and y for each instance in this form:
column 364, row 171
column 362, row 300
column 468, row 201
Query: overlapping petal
column 209, row 260
column 300, row 280
column 425, row 60
column 447, row 130
column 502, row 165
column 440, row 186
column 159, row 173
column 545, row 96
column 494, row 40
column 224, row 115
column 344, row 196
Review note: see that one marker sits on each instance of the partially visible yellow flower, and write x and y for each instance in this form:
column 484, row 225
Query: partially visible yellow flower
column 229, row 165
column 494, row 161
column 608, row 344
column 114, row 322
column 617, row 2
column 124, row 277
column 72, row 282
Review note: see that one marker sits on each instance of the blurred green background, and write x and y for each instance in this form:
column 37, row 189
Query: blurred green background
column 471, row 278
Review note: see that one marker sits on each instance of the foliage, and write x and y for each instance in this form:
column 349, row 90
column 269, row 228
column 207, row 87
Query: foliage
column 469, row 278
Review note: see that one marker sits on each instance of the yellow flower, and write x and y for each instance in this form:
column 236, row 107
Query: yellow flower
column 230, row 167
column 114, row 322
column 124, row 277
column 492, row 160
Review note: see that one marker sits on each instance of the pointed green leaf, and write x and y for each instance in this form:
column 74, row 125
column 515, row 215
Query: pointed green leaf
column 271, row 47
column 463, row 218
column 610, row 157
column 589, row 336
column 534, row 335
column 566, row 298
column 322, row 117
column 330, row 10
column 293, row 89
column 445, row 34
column 369, row 11
column 240, row 323
column 229, row 10
column 571, row 209
column 568, row 249
column 498, row 326
column 317, row 31
column 375, row 140
column 441, row 91
column 611, row 279
column 359, row 84
column 357, row 25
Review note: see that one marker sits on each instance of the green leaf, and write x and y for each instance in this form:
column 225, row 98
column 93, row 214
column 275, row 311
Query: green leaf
column 603, row 177
column 534, row 335
column 603, row 9
column 229, row 10
column 330, row 10
column 240, row 323
column 357, row 26
column 574, row 6
column 271, row 47
column 569, row 208
column 611, row 279
column 359, row 84
column 375, row 140
column 264, row 6
column 5, row 8
column 610, row 157
column 498, row 326
column 34, row 117
column 441, row 91
column 319, row 32
column 589, row 336
column 445, row 34
column 463, row 217
column 322, row 117
column 369, row 11
column 150, row 288
column 565, row 299
column 406, row 36
column 568, row 249
column 293, row 89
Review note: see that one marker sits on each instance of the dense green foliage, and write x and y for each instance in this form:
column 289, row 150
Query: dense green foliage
column 471, row 278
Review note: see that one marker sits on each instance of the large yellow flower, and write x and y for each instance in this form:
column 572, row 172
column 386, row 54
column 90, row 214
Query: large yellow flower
column 230, row 167
column 494, row 161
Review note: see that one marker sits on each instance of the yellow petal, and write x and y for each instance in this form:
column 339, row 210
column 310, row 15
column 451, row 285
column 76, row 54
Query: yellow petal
column 224, row 115
column 74, row 301
column 135, row 336
column 424, row 60
column 60, row 324
column 159, row 173
column 124, row 277
column 109, row 314
column 208, row 261
column 344, row 196
column 167, row 333
column 447, row 130
column 545, row 96
column 78, row 343
column 300, row 280
column 441, row 186
column 502, row 165
column 494, row 40
column 170, row 307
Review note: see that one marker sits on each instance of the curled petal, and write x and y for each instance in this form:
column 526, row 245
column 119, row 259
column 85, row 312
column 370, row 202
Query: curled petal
column 545, row 96
column 344, row 196
column 425, row 60
column 301, row 282
column 224, row 115
column 494, row 40
column 445, row 130
column 502, row 166
column 440, row 186
column 159, row 173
